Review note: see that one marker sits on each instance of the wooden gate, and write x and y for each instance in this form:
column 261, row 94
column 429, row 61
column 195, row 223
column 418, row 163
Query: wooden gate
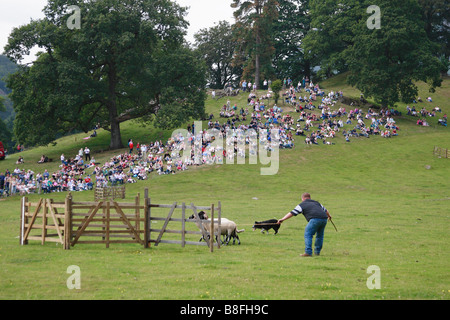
column 200, row 229
column 103, row 222
column 108, row 221
column 38, row 218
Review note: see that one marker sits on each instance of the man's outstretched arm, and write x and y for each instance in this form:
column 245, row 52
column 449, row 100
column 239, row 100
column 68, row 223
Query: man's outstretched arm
column 287, row 216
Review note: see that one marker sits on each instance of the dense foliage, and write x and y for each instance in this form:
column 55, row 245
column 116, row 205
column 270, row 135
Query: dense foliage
column 129, row 59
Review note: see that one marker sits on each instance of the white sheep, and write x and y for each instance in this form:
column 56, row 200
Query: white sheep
column 228, row 228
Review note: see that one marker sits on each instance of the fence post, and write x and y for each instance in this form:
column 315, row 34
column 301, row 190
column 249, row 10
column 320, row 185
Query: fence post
column 211, row 231
column 219, row 226
column 23, row 220
column 67, row 221
column 183, row 225
column 137, row 203
column 108, row 220
column 147, row 216
column 44, row 221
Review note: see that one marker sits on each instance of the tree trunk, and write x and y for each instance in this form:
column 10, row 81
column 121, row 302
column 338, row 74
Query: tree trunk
column 307, row 66
column 257, row 66
column 116, row 137
column 258, row 45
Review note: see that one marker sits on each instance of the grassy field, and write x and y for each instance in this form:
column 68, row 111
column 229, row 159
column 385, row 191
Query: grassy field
column 389, row 199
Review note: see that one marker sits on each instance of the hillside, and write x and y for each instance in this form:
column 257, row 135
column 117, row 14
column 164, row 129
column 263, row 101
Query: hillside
column 70, row 145
column 388, row 199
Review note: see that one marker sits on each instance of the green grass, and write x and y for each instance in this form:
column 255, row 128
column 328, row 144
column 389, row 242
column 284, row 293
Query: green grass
column 389, row 209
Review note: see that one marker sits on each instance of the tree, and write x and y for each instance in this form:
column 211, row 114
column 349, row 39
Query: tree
column 127, row 61
column 216, row 47
column 331, row 33
column 436, row 15
column 384, row 63
column 253, row 34
column 289, row 30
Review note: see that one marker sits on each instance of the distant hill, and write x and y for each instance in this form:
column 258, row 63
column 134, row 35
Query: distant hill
column 6, row 67
column 7, row 117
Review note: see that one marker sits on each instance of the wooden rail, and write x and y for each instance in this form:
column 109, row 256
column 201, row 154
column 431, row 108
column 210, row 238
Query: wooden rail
column 108, row 221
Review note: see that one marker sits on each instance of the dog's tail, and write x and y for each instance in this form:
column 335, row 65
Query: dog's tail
column 239, row 231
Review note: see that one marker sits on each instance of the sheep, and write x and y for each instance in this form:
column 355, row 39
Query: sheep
column 228, row 227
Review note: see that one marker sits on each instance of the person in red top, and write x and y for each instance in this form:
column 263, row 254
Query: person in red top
column 130, row 145
column 88, row 182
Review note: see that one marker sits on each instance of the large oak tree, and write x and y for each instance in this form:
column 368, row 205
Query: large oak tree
column 127, row 60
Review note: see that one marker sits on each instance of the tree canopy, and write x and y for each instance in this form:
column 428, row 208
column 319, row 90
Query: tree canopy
column 384, row 62
column 253, row 34
column 127, row 60
column 216, row 47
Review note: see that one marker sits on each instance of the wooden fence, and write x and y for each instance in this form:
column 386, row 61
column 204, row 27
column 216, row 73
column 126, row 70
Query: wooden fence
column 109, row 193
column 42, row 217
column 107, row 222
column 441, row 152
column 204, row 232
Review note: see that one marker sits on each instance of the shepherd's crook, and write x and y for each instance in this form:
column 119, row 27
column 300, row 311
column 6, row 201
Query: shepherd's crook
column 333, row 225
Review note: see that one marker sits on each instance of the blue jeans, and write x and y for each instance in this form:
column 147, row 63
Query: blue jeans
column 314, row 227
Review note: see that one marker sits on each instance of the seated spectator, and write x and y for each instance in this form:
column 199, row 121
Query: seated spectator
column 42, row 160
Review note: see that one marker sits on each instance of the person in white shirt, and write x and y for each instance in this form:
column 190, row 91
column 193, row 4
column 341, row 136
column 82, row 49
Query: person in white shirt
column 87, row 154
column 144, row 151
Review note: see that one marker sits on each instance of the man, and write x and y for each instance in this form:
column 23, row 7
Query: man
column 87, row 154
column 316, row 215
column 144, row 151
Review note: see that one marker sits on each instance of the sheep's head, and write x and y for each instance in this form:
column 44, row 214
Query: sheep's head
column 202, row 215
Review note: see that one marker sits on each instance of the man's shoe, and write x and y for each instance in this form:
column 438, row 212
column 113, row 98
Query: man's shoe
column 305, row 255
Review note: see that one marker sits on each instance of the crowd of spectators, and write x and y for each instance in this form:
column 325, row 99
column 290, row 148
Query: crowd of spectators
column 423, row 114
column 309, row 100
column 240, row 139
